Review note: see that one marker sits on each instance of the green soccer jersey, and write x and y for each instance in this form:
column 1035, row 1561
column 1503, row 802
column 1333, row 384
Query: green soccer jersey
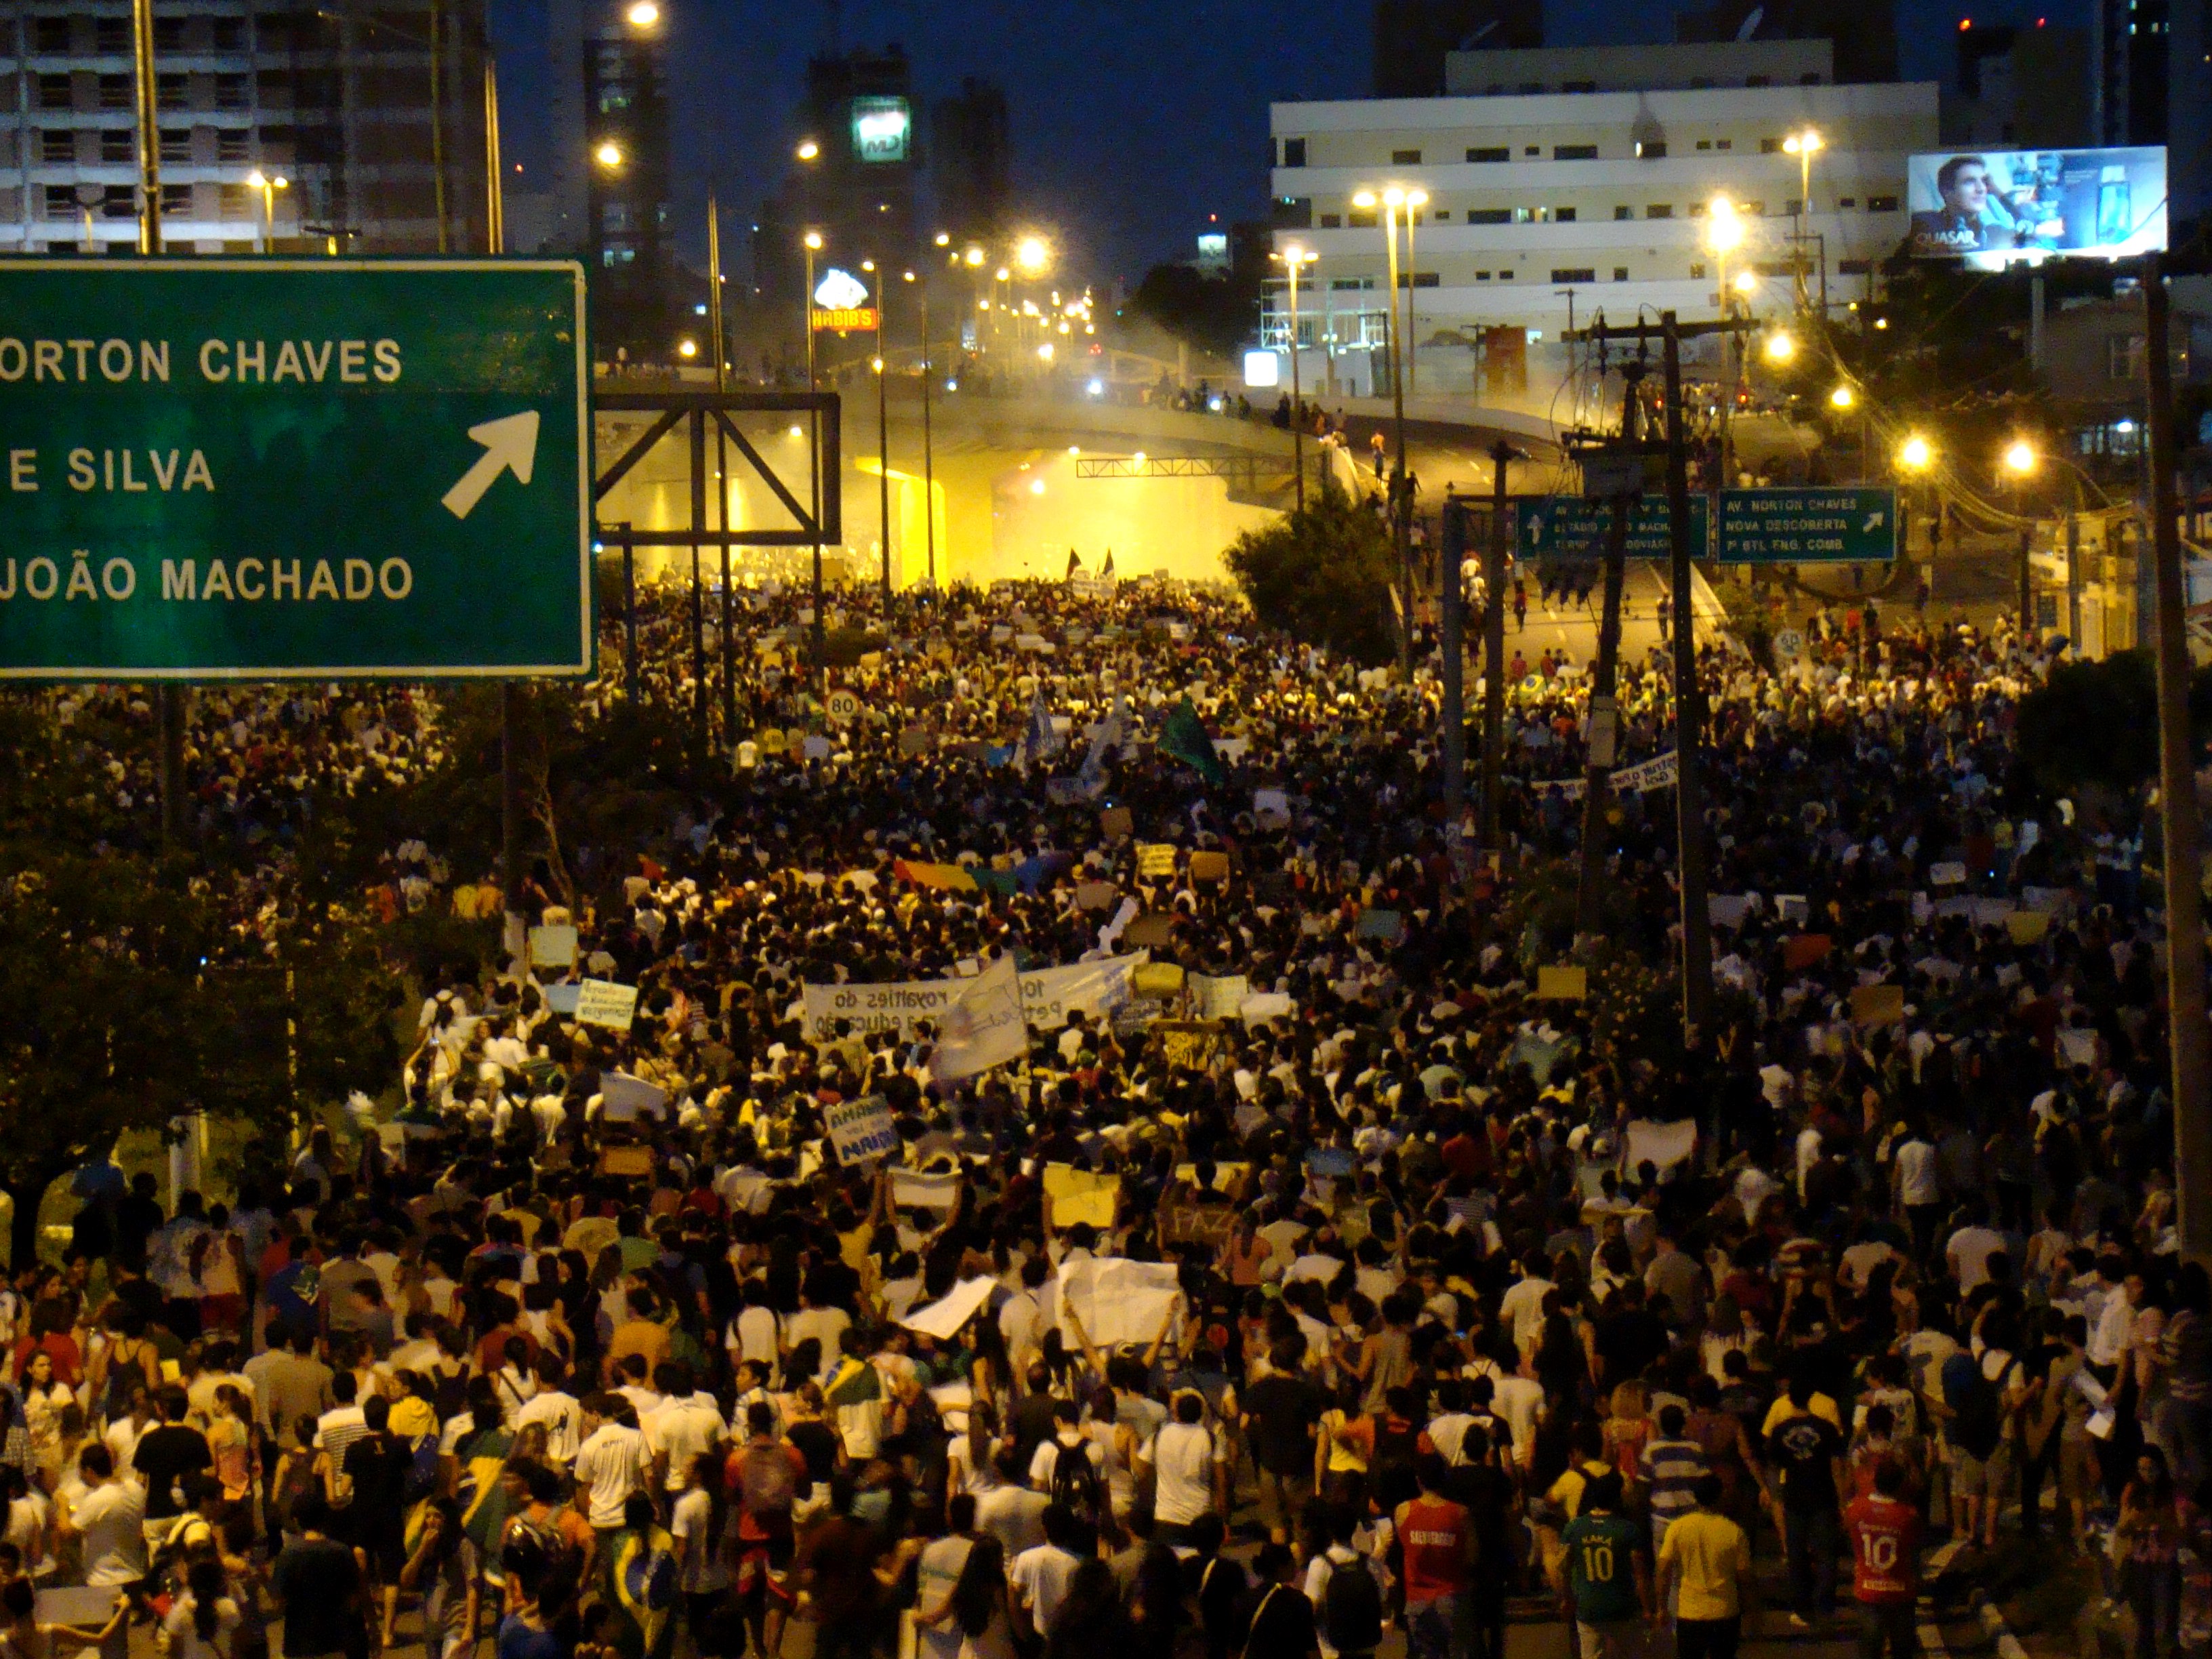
column 1601, row 1567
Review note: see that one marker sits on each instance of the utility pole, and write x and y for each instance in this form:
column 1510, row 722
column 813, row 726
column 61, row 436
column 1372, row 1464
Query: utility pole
column 2187, row 1037
column 719, row 339
column 1689, row 716
column 928, row 452
column 1604, row 710
column 1453, row 605
column 1493, row 647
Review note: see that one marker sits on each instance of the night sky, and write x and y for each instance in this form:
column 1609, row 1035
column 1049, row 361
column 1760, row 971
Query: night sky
column 1132, row 120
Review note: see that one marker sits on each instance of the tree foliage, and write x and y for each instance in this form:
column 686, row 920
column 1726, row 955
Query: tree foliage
column 1212, row 314
column 129, row 998
column 2095, row 725
column 1323, row 576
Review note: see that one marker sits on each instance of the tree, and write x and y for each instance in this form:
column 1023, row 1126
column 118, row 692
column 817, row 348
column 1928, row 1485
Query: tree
column 2095, row 725
column 1323, row 576
column 129, row 998
column 1212, row 314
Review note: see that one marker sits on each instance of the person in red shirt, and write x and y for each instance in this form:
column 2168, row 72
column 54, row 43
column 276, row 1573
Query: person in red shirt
column 1885, row 1535
column 1437, row 1537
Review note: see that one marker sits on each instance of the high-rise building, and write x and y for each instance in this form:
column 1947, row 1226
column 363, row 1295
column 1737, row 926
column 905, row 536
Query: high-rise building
column 379, row 144
column 856, row 184
column 2128, row 70
column 1412, row 37
column 971, row 162
column 627, row 239
column 2019, row 88
column 1862, row 32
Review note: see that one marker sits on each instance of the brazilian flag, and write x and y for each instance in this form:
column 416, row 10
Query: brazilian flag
column 639, row 1579
column 482, row 1504
column 1184, row 737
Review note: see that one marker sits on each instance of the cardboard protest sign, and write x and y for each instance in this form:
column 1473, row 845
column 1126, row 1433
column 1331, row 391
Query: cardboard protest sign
column 1209, row 866
column 1117, row 1301
column 1263, row 1006
column 623, row 1099
column 2026, row 926
column 1659, row 1144
column 1096, row 895
column 1877, row 1004
column 1153, row 931
column 1187, row 1043
column 626, row 1163
column 1801, row 951
column 1081, row 1195
column 1115, row 823
column 1156, row 979
column 1949, row 874
column 943, row 1317
column 552, row 947
column 912, row 1189
column 1218, row 996
column 861, row 1130
column 1155, row 859
column 602, row 1002
column 1562, row 984
column 563, row 998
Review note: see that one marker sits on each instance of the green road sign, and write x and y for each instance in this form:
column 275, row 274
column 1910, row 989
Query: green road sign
column 1808, row 526
column 234, row 469
column 1569, row 527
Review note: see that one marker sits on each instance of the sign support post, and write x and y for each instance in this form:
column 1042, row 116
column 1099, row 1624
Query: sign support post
column 1689, row 713
column 1605, row 714
column 1493, row 647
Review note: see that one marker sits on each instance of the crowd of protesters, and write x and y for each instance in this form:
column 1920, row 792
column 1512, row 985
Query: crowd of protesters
column 585, row 1341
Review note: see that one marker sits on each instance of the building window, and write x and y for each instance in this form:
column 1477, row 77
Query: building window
column 176, row 144
column 1855, row 267
column 1659, row 210
column 1504, row 276
column 1810, row 78
column 50, row 34
column 1620, row 273
column 118, row 144
column 618, row 256
column 1426, row 279
column 2124, row 357
column 1489, row 215
column 1882, row 205
column 1481, row 275
column 119, row 202
column 1847, row 201
column 1769, row 146
column 237, row 201
column 1350, row 284
column 1526, row 216
column 1793, row 206
column 233, row 92
column 1405, row 158
column 1332, row 221
column 1293, row 213
column 1725, row 143
column 1294, row 152
column 1697, row 273
column 1758, row 80
column 233, row 144
column 1533, row 150
column 174, row 91
column 60, row 201
column 1574, row 152
column 57, row 146
column 170, row 35
column 1704, row 144
column 1563, row 216
column 1360, row 218
column 116, row 92
column 111, row 36
column 1490, row 153
column 1624, row 212
column 1651, row 149
column 1577, row 86
column 177, row 201
column 1574, row 274
column 230, row 35
column 54, row 92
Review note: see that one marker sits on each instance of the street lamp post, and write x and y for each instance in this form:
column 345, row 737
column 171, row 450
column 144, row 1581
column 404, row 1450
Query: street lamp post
column 2020, row 461
column 812, row 244
column 1394, row 353
column 882, row 425
column 1802, row 146
column 1415, row 200
column 1724, row 236
column 268, row 184
column 928, row 459
column 1294, row 259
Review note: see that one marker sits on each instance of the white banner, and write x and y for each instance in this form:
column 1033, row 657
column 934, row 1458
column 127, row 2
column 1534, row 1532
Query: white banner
column 860, row 1130
column 1047, row 996
column 1218, row 996
column 1118, row 1301
column 1662, row 1144
column 943, row 1318
column 622, row 1098
column 1657, row 773
column 983, row 1027
column 601, row 1002
column 912, row 1189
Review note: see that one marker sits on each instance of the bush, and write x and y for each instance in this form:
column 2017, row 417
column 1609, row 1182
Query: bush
column 1323, row 576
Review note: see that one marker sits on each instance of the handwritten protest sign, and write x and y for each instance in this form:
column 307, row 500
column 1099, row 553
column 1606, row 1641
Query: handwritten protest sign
column 552, row 947
column 861, row 1130
column 1081, row 1195
column 602, row 1002
column 1116, row 1300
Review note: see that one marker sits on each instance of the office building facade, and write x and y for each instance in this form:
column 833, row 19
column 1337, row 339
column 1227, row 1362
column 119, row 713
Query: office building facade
column 382, row 150
column 971, row 163
column 1561, row 182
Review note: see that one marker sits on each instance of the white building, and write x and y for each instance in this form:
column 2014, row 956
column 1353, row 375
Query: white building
column 1579, row 178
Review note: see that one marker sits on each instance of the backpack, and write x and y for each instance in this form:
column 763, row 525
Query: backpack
column 1977, row 1425
column 1075, row 1479
column 766, row 1485
column 1351, row 1608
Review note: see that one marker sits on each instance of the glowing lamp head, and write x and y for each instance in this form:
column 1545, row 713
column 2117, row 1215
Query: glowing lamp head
column 1747, row 282
column 1780, row 347
column 608, row 154
column 813, row 241
column 1914, row 454
column 808, row 150
column 642, row 14
column 687, row 348
column 1365, row 198
column 1842, row 397
column 1032, row 255
column 2020, row 458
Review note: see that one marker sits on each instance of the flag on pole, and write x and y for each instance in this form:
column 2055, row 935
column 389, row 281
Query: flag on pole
column 1106, row 570
column 1074, row 565
column 1109, row 735
column 1185, row 739
column 983, row 1027
column 1040, row 739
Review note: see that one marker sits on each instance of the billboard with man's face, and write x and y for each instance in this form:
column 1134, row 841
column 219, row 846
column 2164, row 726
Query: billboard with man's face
column 1992, row 206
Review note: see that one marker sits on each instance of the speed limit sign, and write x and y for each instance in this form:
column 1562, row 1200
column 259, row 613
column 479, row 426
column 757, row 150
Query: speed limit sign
column 844, row 706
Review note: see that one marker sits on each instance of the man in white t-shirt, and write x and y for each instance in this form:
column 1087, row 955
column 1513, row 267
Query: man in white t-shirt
column 561, row 1412
column 1042, row 1574
column 110, row 1520
column 611, row 1463
column 1190, row 1467
column 1971, row 1248
column 687, row 1425
column 1522, row 1305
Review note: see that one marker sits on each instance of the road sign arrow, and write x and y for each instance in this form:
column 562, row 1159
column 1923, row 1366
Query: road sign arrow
column 510, row 444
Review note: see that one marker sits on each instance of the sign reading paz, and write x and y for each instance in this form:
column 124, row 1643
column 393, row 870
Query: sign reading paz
column 270, row 468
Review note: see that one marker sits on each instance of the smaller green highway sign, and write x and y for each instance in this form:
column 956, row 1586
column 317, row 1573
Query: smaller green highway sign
column 1571, row 527
column 1808, row 526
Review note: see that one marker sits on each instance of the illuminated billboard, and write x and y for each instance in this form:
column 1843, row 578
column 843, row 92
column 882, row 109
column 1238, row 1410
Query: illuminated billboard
column 1992, row 207
column 882, row 128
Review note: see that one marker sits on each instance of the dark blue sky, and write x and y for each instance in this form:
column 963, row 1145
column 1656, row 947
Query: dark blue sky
column 1132, row 120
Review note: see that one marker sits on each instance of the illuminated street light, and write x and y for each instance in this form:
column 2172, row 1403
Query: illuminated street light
column 944, row 239
column 1747, row 282
column 808, row 150
column 608, row 154
column 643, row 15
column 975, row 257
column 1842, row 397
column 687, row 348
column 1032, row 255
column 1780, row 347
column 1914, row 455
column 268, row 187
column 1044, row 351
column 2020, row 458
column 813, row 241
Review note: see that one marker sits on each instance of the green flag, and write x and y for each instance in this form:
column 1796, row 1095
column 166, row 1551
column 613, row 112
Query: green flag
column 1186, row 739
